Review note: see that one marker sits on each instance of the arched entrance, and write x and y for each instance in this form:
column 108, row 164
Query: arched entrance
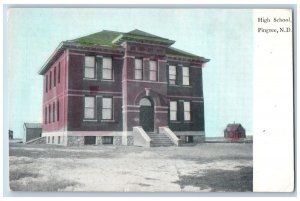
column 146, row 114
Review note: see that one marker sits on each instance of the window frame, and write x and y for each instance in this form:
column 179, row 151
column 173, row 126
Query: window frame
column 45, row 115
column 176, row 111
column 186, row 76
column 151, row 70
column 169, row 75
column 85, row 107
column 50, row 80
column 46, row 83
column 57, row 112
column 89, row 67
column 185, row 111
column 53, row 112
column 49, row 114
column 54, row 77
column 111, row 68
column 111, row 109
column 141, row 70
column 58, row 76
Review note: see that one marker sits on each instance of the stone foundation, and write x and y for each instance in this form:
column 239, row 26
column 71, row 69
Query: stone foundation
column 198, row 136
column 75, row 141
column 130, row 140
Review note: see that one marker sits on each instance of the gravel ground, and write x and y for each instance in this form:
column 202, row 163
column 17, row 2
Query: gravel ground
column 207, row 167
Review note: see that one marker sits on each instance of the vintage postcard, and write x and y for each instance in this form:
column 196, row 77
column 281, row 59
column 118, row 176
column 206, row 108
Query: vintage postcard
column 150, row 99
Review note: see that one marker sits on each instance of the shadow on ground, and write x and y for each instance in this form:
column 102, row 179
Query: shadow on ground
column 220, row 180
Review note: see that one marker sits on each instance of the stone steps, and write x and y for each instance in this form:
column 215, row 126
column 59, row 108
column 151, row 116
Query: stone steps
column 160, row 140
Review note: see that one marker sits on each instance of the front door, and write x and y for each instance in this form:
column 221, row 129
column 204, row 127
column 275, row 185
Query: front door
column 146, row 115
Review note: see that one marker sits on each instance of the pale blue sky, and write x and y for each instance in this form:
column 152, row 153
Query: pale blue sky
column 224, row 36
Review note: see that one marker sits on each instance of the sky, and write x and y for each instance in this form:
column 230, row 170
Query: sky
column 223, row 36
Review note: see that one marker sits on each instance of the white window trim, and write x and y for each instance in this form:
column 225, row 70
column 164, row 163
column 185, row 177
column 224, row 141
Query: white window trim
column 112, row 111
column 190, row 120
column 183, row 76
column 95, row 69
column 173, row 120
column 112, row 70
column 95, row 109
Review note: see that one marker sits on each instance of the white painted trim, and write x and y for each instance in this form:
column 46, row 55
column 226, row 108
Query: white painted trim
column 154, row 82
column 80, row 95
column 136, row 106
column 166, row 107
column 164, row 112
column 130, row 111
column 186, row 97
column 73, row 53
column 109, row 92
column 132, row 57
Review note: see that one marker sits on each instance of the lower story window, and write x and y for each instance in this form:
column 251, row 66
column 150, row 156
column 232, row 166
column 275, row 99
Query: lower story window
column 189, row 139
column 52, row 139
column 107, row 140
column 58, row 141
column 107, row 108
column 48, row 139
column 89, row 140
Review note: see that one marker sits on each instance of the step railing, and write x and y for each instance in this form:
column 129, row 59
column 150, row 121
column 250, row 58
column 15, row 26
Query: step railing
column 167, row 131
column 140, row 137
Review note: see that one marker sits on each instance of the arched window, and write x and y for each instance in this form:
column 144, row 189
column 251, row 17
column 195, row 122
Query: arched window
column 145, row 102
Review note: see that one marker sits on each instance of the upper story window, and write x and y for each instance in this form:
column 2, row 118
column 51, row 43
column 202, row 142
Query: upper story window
column 153, row 70
column 89, row 107
column 50, row 80
column 58, row 76
column 187, row 110
column 185, row 76
column 107, row 69
column 46, row 83
column 172, row 74
column 54, row 77
column 89, row 67
column 138, row 69
column 173, row 110
column 107, row 108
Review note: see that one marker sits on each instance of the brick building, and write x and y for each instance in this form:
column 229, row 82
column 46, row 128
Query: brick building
column 112, row 87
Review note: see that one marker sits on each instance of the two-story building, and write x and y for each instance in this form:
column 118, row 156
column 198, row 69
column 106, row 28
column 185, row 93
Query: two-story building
column 98, row 88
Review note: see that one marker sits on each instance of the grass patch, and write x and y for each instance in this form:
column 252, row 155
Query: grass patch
column 41, row 186
column 220, row 180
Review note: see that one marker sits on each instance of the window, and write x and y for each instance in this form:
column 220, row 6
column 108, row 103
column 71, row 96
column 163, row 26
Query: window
column 172, row 74
column 46, row 83
column 107, row 69
column 58, row 76
column 107, row 140
column 54, row 77
column 49, row 118
column 45, row 115
column 187, row 111
column 189, row 139
column 50, row 80
column 57, row 111
column 89, row 107
column 52, row 139
column 48, row 139
column 107, row 108
column 185, row 76
column 58, row 141
column 153, row 70
column 53, row 113
column 138, row 69
column 173, row 110
column 89, row 140
column 89, row 67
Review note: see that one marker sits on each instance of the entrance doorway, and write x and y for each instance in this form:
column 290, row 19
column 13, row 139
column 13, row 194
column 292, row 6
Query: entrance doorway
column 146, row 114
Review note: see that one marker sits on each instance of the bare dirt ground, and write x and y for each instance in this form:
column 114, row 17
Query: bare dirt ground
column 222, row 167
